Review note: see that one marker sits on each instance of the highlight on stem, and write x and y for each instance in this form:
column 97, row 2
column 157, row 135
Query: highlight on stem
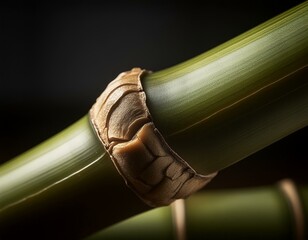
column 213, row 110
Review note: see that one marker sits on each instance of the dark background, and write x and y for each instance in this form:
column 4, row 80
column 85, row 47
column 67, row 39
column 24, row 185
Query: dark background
column 57, row 58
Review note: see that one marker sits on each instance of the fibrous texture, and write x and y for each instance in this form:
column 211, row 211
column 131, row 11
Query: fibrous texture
column 148, row 165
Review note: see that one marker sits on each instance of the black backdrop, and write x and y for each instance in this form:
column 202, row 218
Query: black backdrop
column 56, row 58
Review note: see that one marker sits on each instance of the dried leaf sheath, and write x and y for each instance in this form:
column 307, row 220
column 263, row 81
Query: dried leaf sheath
column 138, row 150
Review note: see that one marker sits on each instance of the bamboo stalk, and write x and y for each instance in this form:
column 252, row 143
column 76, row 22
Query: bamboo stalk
column 254, row 213
column 67, row 183
column 237, row 98
column 49, row 164
column 225, row 112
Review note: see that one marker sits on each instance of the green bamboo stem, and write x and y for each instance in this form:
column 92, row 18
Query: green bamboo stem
column 254, row 213
column 49, row 164
column 224, row 104
column 67, row 183
column 70, row 182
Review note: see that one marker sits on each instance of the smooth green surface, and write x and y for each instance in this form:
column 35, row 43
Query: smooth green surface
column 256, row 213
column 154, row 224
column 49, row 164
column 238, row 98
column 66, row 188
column 195, row 90
column 215, row 110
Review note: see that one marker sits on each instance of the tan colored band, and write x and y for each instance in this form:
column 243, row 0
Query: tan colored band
column 179, row 219
column 141, row 155
column 289, row 190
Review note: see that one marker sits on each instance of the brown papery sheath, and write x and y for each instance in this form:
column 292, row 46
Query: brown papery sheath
column 141, row 155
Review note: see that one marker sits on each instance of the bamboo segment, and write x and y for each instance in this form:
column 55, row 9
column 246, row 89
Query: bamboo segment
column 49, row 164
column 213, row 110
column 255, row 213
column 66, row 187
column 139, row 152
column 237, row 98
